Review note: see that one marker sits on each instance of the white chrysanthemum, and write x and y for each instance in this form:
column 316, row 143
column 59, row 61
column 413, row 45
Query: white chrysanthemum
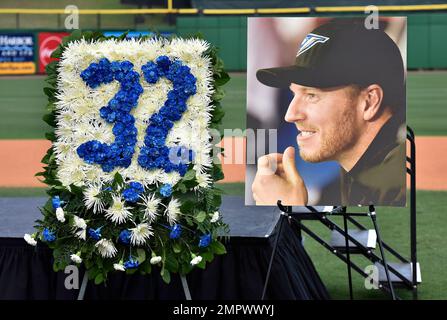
column 79, row 222
column 119, row 267
column 91, row 198
column 106, row 248
column 173, row 211
column 155, row 260
column 196, row 260
column 81, row 234
column 203, row 180
column 30, row 239
column 60, row 216
column 140, row 234
column 215, row 217
column 61, row 149
column 75, row 258
column 151, row 204
column 169, row 178
column 118, row 212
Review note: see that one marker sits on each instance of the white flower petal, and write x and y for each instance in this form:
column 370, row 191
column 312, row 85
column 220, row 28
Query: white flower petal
column 30, row 239
column 118, row 212
column 155, row 260
column 140, row 234
column 75, row 258
column 106, row 248
column 60, row 216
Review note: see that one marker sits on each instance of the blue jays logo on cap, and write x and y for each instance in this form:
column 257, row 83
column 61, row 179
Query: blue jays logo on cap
column 309, row 41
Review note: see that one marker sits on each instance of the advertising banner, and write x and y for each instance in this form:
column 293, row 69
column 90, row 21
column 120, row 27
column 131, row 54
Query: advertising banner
column 17, row 53
column 48, row 42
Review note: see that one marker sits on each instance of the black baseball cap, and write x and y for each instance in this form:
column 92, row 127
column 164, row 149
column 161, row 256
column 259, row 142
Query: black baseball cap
column 342, row 52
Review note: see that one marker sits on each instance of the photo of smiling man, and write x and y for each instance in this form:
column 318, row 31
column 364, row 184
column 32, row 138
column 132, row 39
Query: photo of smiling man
column 348, row 106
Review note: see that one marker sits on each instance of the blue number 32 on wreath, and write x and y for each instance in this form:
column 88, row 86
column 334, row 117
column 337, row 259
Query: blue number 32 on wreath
column 154, row 154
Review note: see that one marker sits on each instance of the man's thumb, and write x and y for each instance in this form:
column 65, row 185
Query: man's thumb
column 289, row 165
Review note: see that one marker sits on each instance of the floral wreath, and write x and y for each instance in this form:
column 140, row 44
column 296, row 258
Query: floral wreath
column 131, row 169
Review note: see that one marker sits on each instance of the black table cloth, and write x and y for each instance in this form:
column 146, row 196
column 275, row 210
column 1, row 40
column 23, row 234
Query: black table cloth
column 26, row 272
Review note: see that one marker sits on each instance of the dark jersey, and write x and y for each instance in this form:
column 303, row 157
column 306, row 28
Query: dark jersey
column 379, row 176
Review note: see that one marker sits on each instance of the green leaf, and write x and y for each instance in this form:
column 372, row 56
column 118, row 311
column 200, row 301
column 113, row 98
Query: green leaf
column 131, row 271
column 76, row 190
column 93, row 272
column 57, row 53
column 146, row 267
column 118, row 180
column 99, row 278
column 202, row 264
column 51, row 68
column 187, row 206
column 171, row 264
column 50, row 136
column 200, row 217
column 208, row 256
column 224, row 78
column 191, row 183
column 218, row 248
column 177, row 247
column 50, row 92
column 190, row 175
column 165, row 275
column 217, row 114
column 88, row 263
column 50, row 119
column 181, row 187
column 141, row 255
column 217, row 172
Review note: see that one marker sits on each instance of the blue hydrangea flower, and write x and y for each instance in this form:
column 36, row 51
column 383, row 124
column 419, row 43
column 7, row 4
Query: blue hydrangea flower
column 205, row 240
column 48, row 235
column 130, row 195
column 166, row 190
column 154, row 154
column 125, row 236
column 117, row 111
column 95, row 234
column 56, row 201
column 137, row 186
column 131, row 263
column 176, row 231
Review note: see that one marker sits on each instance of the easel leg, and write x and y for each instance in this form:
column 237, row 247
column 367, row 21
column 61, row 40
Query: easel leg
column 185, row 287
column 83, row 286
column 272, row 257
column 348, row 256
column 372, row 213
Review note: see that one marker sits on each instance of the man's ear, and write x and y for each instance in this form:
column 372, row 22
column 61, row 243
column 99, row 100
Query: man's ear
column 373, row 97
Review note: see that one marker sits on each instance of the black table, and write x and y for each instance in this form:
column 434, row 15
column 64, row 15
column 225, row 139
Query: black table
column 26, row 272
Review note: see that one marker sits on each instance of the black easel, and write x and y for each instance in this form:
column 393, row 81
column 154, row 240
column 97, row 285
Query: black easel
column 286, row 211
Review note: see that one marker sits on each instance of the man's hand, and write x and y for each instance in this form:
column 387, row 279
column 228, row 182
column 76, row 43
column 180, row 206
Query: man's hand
column 283, row 184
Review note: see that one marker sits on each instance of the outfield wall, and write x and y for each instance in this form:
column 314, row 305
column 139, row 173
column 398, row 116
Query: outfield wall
column 427, row 48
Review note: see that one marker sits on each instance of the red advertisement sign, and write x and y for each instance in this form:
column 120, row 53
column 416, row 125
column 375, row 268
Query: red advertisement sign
column 48, row 42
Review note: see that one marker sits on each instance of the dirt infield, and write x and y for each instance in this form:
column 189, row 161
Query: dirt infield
column 20, row 160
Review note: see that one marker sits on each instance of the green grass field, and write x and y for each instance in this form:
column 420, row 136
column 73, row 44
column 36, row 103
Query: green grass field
column 22, row 98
